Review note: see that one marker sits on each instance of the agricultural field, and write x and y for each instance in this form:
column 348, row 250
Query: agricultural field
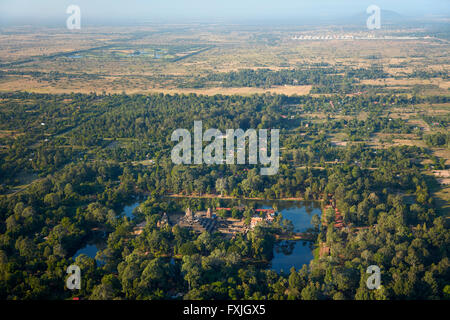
column 180, row 59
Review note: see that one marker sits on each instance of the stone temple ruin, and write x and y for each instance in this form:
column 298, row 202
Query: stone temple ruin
column 163, row 222
column 200, row 221
column 189, row 215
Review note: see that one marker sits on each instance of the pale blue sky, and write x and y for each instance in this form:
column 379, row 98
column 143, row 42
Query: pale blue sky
column 209, row 10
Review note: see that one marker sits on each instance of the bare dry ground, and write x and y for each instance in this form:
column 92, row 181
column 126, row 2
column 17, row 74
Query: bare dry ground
column 111, row 66
column 405, row 83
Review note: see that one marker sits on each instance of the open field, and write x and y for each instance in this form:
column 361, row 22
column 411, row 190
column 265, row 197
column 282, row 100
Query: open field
column 171, row 59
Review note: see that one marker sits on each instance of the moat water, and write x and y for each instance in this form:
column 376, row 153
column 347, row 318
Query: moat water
column 90, row 250
column 286, row 254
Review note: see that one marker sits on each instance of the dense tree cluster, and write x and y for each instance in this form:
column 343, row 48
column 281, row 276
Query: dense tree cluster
column 92, row 166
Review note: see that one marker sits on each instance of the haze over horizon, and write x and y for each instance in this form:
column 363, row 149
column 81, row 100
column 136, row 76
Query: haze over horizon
column 115, row 11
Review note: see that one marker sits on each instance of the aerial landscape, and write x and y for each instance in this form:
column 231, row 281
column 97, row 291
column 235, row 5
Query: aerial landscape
column 353, row 202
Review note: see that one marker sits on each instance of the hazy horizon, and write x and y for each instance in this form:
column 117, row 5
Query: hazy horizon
column 115, row 11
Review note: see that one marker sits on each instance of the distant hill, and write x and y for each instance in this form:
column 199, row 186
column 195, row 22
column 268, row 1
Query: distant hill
column 387, row 17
